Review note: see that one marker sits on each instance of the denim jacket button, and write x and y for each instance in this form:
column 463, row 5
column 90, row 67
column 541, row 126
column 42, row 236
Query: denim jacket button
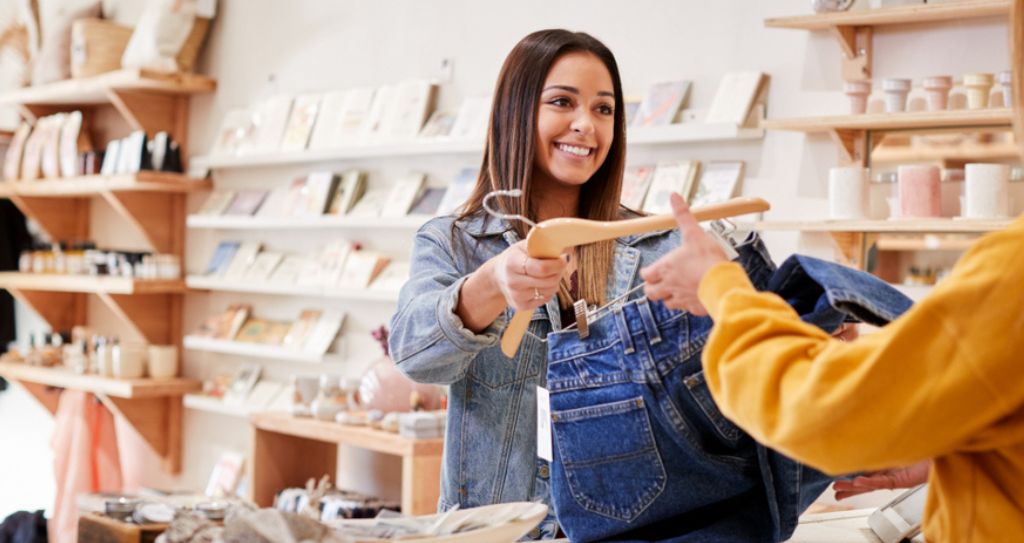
column 544, row 471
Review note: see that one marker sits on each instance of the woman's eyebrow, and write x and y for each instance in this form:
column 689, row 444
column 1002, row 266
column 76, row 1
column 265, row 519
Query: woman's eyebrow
column 574, row 90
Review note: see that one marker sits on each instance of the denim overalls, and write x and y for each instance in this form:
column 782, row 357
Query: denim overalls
column 641, row 451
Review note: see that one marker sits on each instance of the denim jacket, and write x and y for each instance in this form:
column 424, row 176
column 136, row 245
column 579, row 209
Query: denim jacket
column 490, row 442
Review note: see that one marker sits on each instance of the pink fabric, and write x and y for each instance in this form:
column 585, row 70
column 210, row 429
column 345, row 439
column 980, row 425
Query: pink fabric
column 85, row 458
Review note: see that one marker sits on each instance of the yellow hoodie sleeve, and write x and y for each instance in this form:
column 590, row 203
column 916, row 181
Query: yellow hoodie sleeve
column 927, row 383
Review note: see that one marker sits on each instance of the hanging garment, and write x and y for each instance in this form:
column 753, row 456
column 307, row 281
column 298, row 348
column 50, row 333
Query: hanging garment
column 641, row 452
column 85, row 458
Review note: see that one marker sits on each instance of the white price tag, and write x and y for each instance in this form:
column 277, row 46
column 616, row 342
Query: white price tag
column 544, row 424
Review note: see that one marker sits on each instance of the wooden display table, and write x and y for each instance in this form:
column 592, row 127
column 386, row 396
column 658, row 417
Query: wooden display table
column 287, row 451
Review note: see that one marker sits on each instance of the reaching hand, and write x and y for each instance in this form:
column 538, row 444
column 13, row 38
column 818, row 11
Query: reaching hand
column 675, row 277
column 888, row 479
column 527, row 283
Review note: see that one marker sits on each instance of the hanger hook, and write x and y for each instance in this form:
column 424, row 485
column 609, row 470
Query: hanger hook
column 513, row 193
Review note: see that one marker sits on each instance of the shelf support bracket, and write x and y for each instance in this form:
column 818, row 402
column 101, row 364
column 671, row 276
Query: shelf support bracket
column 855, row 42
column 46, row 395
column 157, row 421
column 152, row 316
column 160, row 217
column 853, row 146
column 154, row 112
column 852, row 247
column 61, row 310
column 63, row 219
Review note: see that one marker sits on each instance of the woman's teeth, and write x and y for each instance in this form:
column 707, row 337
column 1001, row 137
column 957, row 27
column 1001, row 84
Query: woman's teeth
column 574, row 150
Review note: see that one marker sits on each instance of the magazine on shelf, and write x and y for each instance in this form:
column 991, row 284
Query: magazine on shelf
column 269, row 121
column 225, row 325
column 262, row 266
column 236, row 131
column 718, row 182
column 274, row 204
column 353, row 117
column 350, row 189
column 255, row 330
column 636, row 180
column 244, row 257
column 289, row 269
column 411, row 104
column 12, row 159
column 246, row 202
column 428, row 202
column 371, row 203
column 361, row 268
column 225, row 475
column 321, row 337
column 326, row 267
column 471, row 120
column 669, row 177
column 263, row 395
column 111, row 157
column 403, row 194
column 300, row 123
column 321, row 187
column 221, row 258
column 30, row 160
column 217, row 202
column 661, row 103
column 373, row 127
column 439, row 126
column 458, row 191
column 301, row 329
column 327, row 120
column 244, row 379
column 276, row 331
column 736, row 95
column 632, row 105
column 392, row 277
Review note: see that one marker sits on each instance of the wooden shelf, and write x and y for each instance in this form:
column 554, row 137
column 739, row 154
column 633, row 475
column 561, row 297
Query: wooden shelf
column 676, row 133
column 898, row 15
column 288, row 450
column 925, row 242
column 88, row 284
column 118, row 388
column 255, row 350
column 152, row 406
column 96, row 90
column 96, row 185
column 198, row 282
column 920, row 226
column 945, row 154
column 223, row 222
column 995, row 117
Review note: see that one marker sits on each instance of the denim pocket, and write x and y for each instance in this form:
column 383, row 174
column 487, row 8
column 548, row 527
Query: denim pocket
column 610, row 458
column 698, row 389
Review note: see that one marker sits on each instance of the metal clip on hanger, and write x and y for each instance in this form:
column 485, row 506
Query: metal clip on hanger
column 550, row 238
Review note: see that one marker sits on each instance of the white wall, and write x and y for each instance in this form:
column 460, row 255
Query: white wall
column 261, row 47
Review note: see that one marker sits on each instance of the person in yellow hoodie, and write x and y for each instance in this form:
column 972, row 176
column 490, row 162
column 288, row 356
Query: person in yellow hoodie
column 944, row 382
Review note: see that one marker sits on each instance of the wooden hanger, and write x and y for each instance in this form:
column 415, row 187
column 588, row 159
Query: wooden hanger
column 553, row 236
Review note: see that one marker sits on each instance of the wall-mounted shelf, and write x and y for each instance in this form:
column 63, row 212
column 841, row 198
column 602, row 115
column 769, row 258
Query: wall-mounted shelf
column 198, row 282
column 226, row 222
column 88, row 284
column 152, row 406
column 897, row 15
column 255, row 350
column 96, row 90
column 854, row 29
column 852, row 132
column 287, row 450
column 677, row 133
column 920, row 226
column 958, row 154
column 96, row 185
column 926, row 242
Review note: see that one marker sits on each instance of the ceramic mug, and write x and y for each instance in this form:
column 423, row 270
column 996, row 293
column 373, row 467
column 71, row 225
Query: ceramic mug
column 163, row 361
column 129, row 360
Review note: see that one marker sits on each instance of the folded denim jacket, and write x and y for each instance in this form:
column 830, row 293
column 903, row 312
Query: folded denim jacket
column 641, row 451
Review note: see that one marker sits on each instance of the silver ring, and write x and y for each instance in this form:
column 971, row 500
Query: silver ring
column 536, row 294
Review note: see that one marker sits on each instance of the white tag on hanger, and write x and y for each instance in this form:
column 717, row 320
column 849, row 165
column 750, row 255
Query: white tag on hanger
column 544, row 424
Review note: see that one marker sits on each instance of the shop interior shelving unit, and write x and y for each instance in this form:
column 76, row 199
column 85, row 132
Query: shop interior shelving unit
column 151, row 202
column 857, row 135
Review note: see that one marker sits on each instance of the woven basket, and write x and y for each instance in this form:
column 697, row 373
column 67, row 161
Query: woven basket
column 97, row 46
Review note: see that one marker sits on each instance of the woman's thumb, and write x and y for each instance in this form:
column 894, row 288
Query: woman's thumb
column 685, row 219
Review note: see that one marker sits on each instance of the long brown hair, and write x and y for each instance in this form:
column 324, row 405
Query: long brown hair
column 509, row 155
column 1017, row 47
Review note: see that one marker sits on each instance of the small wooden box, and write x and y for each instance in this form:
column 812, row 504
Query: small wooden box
column 94, row 528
